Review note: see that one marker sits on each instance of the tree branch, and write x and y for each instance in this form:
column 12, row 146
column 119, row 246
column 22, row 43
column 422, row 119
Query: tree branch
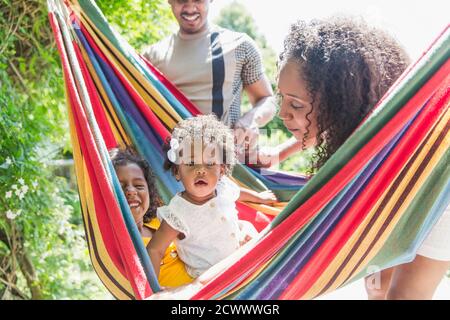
column 27, row 268
column 11, row 287
column 4, row 238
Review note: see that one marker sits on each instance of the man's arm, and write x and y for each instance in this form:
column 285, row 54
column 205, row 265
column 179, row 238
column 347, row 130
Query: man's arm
column 264, row 108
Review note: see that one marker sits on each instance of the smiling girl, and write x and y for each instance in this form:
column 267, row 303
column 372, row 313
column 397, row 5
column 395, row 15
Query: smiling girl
column 137, row 182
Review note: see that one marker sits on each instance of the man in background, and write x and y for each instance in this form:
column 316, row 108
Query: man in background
column 212, row 66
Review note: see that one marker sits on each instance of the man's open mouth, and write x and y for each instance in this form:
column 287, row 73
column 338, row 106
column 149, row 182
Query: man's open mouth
column 190, row 17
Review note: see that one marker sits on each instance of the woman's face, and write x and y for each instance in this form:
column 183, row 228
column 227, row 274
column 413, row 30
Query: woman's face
column 135, row 188
column 296, row 109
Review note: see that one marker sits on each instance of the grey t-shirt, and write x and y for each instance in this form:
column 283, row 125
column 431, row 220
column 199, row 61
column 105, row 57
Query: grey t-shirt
column 210, row 68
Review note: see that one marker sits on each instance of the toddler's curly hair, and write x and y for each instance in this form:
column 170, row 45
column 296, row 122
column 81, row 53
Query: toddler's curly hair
column 208, row 130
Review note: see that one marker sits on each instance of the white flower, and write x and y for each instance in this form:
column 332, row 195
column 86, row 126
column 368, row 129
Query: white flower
column 31, row 117
column 18, row 192
column 21, row 195
column 14, row 187
column 24, row 189
column 21, row 181
column 174, row 144
column 18, row 212
column 7, row 163
column 10, row 215
column 171, row 154
column 8, row 194
column 35, row 184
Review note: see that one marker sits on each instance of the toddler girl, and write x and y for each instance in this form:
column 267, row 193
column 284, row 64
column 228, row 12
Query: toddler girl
column 202, row 220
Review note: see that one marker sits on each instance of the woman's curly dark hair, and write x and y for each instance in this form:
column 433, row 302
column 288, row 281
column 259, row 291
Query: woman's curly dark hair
column 348, row 66
column 122, row 157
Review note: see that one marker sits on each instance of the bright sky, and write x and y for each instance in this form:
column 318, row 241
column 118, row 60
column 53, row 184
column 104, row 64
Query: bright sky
column 415, row 23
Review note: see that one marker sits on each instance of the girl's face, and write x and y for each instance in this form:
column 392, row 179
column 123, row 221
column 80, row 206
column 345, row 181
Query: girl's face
column 135, row 187
column 296, row 108
column 200, row 178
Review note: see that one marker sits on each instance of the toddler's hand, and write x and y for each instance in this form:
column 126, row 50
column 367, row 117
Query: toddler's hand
column 246, row 239
column 267, row 197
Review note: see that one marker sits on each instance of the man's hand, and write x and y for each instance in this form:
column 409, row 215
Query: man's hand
column 246, row 140
column 267, row 157
column 246, row 136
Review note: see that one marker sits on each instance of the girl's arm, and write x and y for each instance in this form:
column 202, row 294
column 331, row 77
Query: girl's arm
column 157, row 246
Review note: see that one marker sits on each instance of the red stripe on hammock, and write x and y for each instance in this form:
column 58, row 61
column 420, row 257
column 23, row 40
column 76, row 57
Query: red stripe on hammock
column 97, row 107
column 255, row 217
column 102, row 191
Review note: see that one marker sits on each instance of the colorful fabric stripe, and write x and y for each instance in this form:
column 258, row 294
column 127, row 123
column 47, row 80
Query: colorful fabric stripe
column 389, row 179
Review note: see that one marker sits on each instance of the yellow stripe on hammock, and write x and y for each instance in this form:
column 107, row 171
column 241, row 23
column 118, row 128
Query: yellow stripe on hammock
column 272, row 210
column 88, row 211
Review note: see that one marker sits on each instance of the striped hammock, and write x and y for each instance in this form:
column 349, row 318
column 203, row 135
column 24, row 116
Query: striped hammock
column 367, row 209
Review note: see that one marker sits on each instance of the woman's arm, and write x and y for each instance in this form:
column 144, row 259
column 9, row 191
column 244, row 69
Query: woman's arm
column 157, row 246
column 275, row 155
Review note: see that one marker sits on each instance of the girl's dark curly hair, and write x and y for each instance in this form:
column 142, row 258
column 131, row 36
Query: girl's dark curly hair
column 348, row 66
column 122, row 157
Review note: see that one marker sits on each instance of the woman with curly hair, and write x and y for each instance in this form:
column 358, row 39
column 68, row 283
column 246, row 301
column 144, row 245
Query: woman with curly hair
column 138, row 184
column 331, row 74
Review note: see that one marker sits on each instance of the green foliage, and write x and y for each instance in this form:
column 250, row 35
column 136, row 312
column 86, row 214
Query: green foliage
column 235, row 16
column 141, row 22
column 43, row 253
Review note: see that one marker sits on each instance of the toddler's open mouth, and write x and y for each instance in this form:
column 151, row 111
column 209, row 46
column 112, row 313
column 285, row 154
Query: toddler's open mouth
column 201, row 182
